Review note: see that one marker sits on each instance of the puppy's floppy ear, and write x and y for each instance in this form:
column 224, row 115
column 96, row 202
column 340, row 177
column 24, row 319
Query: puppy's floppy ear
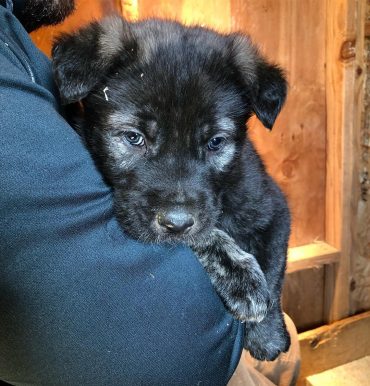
column 265, row 81
column 81, row 59
column 270, row 93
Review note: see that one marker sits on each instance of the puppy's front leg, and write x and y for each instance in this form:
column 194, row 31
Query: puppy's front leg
column 266, row 340
column 236, row 276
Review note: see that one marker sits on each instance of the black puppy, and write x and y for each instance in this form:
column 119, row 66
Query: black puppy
column 164, row 114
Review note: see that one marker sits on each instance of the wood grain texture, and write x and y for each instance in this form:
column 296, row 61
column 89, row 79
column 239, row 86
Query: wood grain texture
column 214, row 14
column 353, row 373
column 85, row 12
column 160, row 8
column 295, row 150
column 310, row 256
column 303, row 297
column 345, row 36
column 360, row 251
column 331, row 346
column 211, row 13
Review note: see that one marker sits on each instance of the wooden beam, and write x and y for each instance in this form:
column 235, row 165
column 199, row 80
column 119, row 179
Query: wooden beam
column 330, row 346
column 311, row 255
column 344, row 84
column 353, row 373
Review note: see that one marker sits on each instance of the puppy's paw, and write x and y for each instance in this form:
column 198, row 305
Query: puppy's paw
column 267, row 340
column 268, row 350
column 236, row 276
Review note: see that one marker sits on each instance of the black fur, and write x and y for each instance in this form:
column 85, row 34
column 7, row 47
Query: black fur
column 164, row 109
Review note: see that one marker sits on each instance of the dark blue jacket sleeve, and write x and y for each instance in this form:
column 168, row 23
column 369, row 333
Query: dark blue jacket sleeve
column 80, row 302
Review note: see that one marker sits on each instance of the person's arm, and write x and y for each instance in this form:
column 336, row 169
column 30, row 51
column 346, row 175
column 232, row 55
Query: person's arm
column 81, row 303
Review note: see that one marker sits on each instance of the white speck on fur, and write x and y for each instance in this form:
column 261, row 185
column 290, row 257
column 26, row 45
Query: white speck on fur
column 141, row 75
column 105, row 93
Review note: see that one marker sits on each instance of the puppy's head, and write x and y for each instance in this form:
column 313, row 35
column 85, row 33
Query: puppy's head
column 164, row 113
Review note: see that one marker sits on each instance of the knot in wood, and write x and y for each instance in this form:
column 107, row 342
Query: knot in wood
column 315, row 342
column 348, row 49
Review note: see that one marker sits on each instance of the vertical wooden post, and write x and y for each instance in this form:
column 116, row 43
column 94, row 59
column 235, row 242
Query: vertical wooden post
column 343, row 57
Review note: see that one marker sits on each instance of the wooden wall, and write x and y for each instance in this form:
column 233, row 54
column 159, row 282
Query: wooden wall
column 304, row 298
column 360, row 283
column 294, row 151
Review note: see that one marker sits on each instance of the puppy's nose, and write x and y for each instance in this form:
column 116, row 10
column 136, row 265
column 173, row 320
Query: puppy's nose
column 176, row 221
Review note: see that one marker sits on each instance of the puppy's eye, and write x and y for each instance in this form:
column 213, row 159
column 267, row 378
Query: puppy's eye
column 134, row 138
column 216, row 143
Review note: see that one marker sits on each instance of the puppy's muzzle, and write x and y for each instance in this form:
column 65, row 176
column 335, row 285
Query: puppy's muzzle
column 176, row 221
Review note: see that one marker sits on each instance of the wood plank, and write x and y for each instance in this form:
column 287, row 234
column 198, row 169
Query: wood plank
column 311, row 255
column 334, row 345
column 330, row 271
column 353, row 373
column 307, row 293
column 360, row 281
column 303, row 298
column 211, row 13
column 344, row 52
column 160, row 8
